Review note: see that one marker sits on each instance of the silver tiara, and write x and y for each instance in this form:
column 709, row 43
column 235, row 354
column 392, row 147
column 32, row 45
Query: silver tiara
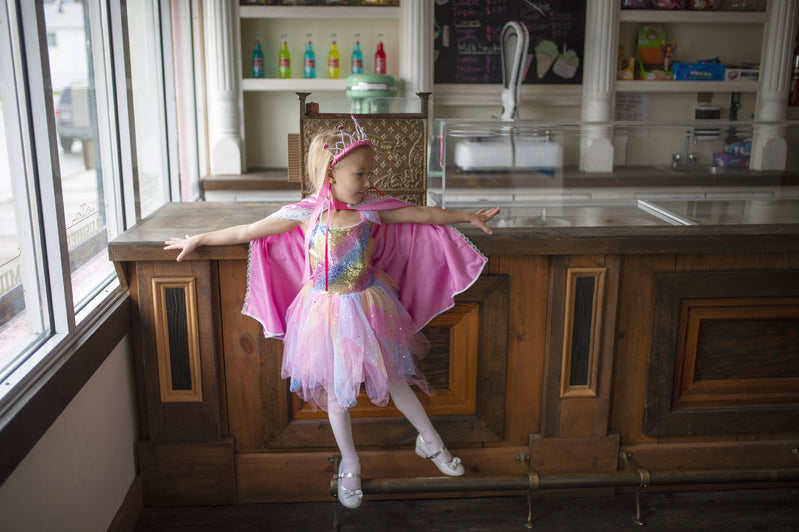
column 348, row 142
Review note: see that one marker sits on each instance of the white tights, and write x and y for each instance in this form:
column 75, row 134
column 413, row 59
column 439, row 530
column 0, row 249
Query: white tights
column 407, row 403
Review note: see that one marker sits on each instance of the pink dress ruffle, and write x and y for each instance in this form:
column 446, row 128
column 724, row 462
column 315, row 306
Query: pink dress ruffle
column 347, row 327
column 340, row 341
column 366, row 329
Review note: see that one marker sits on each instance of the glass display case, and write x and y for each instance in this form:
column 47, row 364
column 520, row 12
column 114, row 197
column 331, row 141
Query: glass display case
column 710, row 172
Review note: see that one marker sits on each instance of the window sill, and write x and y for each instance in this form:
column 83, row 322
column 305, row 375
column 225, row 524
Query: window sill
column 39, row 398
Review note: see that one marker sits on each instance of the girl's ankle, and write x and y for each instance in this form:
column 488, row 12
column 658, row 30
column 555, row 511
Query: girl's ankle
column 351, row 483
column 437, row 444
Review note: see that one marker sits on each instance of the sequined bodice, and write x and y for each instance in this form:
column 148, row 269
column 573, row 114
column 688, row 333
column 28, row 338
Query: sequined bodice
column 349, row 258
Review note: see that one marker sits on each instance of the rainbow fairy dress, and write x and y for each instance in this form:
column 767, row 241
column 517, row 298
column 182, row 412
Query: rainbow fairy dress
column 355, row 318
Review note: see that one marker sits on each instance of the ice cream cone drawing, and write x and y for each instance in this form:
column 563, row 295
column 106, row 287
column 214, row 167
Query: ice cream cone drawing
column 546, row 52
column 567, row 64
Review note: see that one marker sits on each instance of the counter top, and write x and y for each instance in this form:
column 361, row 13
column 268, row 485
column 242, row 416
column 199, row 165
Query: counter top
column 624, row 176
column 145, row 241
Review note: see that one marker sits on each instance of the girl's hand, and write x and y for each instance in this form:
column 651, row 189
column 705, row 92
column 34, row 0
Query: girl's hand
column 480, row 218
column 186, row 245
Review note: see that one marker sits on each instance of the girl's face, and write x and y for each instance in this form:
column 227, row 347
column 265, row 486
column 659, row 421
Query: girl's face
column 350, row 178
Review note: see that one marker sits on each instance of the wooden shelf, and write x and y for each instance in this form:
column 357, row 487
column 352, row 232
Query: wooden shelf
column 322, row 12
column 273, row 179
column 686, row 86
column 293, row 84
column 699, row 17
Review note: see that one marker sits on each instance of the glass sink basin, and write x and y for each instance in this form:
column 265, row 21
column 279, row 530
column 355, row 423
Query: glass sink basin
column 732, row 211
column 570, row 214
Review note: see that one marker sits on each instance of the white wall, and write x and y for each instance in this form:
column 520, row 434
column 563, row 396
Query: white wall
column 76, row 477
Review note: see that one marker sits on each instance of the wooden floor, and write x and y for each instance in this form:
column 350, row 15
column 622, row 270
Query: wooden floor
column 772, row 510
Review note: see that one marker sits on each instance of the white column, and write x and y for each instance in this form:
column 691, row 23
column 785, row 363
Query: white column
column 416, row 46
column 599, row 78
column 223, row 86
column 769, row 149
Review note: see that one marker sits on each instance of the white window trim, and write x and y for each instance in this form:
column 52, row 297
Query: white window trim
column 37, row 148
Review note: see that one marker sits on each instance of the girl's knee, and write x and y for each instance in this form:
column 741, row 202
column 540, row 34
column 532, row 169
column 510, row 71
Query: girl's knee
column 397, row 383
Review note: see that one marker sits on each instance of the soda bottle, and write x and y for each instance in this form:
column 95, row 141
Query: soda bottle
column 284, row 59
column 310, row 59
column 380, row 56
column 793, row 95
column 257, row 59
column 333, row 59
column 357, row 56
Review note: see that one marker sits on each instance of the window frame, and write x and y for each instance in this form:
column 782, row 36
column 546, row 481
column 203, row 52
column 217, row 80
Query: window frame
column 75, row 341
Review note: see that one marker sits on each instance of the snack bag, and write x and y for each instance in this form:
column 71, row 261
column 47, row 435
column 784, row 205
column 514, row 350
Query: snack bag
column 649, row 44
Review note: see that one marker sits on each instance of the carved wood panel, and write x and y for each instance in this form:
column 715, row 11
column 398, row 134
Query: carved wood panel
column 582, row 318
column 177, row 339
column 178, row 355
column 724, row 354
column 736, row 352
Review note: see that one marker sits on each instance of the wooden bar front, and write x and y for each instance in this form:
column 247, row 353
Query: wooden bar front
column 678, row 344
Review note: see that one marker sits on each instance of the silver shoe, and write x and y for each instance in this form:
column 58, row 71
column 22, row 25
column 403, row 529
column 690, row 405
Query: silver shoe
column 453, row 468
column 347, row 497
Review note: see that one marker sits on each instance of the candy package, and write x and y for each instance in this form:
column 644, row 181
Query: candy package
column 668, row 4
column 634, row 4
column 704, row 4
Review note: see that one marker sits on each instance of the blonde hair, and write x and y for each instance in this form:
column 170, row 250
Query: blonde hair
column 319, row 158
column 318, row 161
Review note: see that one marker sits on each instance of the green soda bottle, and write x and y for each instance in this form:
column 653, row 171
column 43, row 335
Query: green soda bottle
column 284, row 59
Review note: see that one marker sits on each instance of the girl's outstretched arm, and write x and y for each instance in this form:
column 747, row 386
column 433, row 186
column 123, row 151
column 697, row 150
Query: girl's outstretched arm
column 232, row 235
column 436, row 216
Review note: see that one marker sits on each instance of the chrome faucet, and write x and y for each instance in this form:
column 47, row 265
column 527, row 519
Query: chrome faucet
column 686, row 159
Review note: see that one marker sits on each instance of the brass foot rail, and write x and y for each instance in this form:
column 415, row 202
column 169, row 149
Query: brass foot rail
column 532, row 481
column 567, row 481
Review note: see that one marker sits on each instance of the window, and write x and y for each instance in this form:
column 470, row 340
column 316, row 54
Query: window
column 87, row 185
column 166, row 146
column 24, row 322
column 81, row 159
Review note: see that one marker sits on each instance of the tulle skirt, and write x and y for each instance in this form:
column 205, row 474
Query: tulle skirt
column 336, row 342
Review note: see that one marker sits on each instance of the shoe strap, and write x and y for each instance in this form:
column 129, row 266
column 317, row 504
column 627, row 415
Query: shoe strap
column 435, row 454
column 453, row 462
column 348, row 475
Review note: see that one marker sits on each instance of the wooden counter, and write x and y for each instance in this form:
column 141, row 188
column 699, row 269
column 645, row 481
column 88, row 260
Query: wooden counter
column 678, row 344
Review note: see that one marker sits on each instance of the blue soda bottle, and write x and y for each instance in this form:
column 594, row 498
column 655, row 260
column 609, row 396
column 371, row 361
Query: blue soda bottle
column 257, row 59
column 357, row 56
column 310, row 59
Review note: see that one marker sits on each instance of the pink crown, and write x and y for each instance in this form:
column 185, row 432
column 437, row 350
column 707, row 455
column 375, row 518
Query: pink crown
column 348, row 142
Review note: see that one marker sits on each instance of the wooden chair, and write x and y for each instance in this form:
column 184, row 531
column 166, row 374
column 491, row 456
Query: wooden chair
column 400, row 141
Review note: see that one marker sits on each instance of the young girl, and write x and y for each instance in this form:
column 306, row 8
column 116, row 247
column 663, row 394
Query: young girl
column 323, row 275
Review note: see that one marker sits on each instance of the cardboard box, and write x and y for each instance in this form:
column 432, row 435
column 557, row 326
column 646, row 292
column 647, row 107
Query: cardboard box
column 699, row 71
column 741, row 74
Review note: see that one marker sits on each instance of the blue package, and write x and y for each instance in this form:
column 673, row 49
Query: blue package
column 698, row 71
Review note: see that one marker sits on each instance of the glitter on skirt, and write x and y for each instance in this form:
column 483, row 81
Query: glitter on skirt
column 355, row 332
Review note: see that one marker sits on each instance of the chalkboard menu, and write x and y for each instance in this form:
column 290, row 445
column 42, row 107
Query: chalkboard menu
column 467, row 39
